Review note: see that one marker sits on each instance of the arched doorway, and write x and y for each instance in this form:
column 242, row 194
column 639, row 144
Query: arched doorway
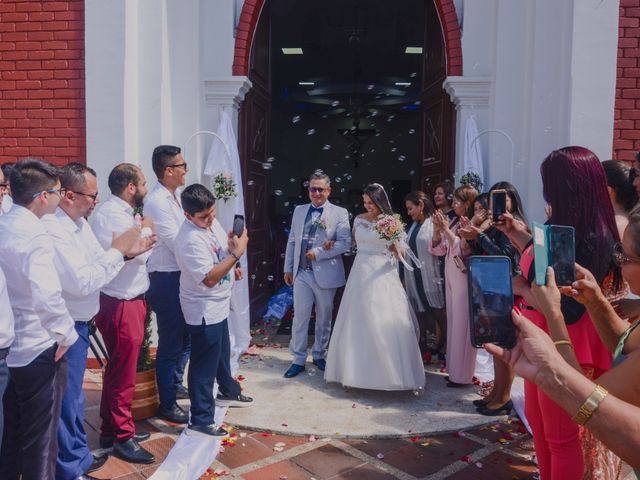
column 361, row 98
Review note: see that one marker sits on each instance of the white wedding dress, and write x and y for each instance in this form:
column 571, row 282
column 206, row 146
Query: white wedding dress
column 374, row 343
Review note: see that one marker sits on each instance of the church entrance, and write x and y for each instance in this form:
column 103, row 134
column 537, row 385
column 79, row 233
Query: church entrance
column 353, row 88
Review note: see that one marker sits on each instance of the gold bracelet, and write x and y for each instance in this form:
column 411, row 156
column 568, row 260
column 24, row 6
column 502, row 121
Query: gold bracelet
column 590, row 405
column 563, row 342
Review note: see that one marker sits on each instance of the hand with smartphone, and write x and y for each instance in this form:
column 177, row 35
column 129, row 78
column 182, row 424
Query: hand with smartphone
column 498, row 202
column 238, row 237
column 491, row 301
column 554, row 246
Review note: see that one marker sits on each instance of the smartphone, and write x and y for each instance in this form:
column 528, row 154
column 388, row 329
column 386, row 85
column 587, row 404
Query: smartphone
column 562, row 254
column 491, row 301
column 238, row 225
column 498, row 204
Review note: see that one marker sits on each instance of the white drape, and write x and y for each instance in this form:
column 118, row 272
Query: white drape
column 224, row 157
column 472, row 155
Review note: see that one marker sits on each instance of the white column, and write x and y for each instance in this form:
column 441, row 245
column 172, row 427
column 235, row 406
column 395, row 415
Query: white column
column 470, row 95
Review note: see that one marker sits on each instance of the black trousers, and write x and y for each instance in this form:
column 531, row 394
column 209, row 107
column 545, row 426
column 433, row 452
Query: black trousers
column 32, row 404
column 210, row 360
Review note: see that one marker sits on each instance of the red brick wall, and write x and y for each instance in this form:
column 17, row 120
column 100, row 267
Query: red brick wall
column 42, row 103
column 626, row 130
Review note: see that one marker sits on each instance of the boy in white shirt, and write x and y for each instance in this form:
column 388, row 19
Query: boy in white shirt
column 207, row 256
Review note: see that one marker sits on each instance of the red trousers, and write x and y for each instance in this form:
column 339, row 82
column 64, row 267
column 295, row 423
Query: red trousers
column 121, row 324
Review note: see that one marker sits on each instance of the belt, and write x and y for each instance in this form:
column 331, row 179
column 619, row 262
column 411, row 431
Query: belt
column 3, row 353
column 139, row 297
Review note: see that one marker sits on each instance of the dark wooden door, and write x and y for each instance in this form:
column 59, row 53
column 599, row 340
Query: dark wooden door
column 438, row 113
column 254, row 133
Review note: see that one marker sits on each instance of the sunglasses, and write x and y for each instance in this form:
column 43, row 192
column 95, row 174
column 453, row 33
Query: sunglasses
column 620, row 258
column 60, row 191
column 316, row 189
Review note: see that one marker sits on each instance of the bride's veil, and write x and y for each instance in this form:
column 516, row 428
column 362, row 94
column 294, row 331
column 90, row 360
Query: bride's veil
column 378, row 196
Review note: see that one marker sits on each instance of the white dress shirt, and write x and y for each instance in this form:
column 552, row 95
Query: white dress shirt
column 6, row 315
column 26, row 257
column 84, row 267
column 165, row 210
column 200, row 250
column 116, row 216
column 7, row 203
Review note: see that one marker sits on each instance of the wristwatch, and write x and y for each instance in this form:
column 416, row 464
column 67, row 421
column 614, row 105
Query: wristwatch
column 590, row 405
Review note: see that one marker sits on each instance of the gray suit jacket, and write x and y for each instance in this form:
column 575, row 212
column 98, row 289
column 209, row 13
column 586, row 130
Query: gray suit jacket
column 328, row 268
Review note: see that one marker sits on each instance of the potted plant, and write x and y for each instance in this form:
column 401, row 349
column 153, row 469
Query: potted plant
column 145, row 397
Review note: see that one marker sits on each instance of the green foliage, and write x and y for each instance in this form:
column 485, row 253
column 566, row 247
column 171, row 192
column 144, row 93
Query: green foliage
column 472, row 179
column 144, row 359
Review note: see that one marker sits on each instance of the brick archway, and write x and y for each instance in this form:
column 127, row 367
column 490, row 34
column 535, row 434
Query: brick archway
column 251, row 13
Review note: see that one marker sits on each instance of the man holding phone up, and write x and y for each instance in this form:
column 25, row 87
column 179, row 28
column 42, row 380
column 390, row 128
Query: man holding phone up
column 207, row 257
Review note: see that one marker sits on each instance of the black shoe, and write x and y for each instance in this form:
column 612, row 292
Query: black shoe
column 321, row 363
column 131, row 451
column 480, row 403
column 496, row 412
column 238, row 401
column 293, row 371
column 182, row 393
column 107, row 442
column 174, row 414
column 98, row 462
column 211, row 430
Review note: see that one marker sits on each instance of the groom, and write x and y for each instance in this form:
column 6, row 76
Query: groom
column 314, row 272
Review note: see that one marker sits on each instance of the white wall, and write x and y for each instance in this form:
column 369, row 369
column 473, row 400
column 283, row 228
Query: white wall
column 552, row 71
column 146, row 62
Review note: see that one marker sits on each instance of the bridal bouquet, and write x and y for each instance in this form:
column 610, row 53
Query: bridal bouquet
column 389, row 227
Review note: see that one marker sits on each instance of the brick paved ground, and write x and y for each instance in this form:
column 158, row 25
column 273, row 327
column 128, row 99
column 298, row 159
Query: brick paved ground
column 488, row 453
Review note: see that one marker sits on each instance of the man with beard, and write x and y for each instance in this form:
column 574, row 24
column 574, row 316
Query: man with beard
column 84, row 267
column 122, row 314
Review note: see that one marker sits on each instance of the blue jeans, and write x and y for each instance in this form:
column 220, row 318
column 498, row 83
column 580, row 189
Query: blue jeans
column 174, row 344
column 4, row 380
column 74, row 456
column 210, row 360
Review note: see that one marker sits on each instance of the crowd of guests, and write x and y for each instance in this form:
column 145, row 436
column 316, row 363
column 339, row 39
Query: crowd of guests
column 577, row 346
column 63, row 267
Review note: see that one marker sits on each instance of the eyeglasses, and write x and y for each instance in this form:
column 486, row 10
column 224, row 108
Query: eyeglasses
column 316, row 189
column 92, row 196
column 178, row 165
column 60, row 191
column 620, row 258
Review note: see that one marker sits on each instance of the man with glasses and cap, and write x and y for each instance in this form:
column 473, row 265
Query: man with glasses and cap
column 44, row 329
column 314, row 272
column 163, row 206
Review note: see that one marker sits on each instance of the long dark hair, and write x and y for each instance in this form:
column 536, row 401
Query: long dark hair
column 378, row 196
column 618, row 178
column 419, row 196
column 575, row 186
column 517, row 209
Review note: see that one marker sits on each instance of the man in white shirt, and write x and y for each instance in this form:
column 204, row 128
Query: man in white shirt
column 84, row 267
column 44, row 330
column 122, row 314
column 162, row 205
column 207, row 257
column 6, row 339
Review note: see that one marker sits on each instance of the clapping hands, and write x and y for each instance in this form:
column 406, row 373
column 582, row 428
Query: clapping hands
column 440, row 220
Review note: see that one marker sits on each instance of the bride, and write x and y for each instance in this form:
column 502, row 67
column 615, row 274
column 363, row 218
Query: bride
column 374, row 343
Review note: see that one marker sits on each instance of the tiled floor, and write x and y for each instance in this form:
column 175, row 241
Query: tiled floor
column 488, row 453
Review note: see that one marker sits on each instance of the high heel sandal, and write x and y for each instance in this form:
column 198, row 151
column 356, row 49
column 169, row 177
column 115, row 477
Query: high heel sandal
column 496, row 412
column 482, row 402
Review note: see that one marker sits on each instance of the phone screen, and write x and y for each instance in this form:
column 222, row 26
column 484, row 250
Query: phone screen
column 491, row 301
column 238, row 225
column 562, row 253
column 498, row 204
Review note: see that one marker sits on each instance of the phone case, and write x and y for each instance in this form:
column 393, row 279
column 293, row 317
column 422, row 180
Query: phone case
column 544, row 249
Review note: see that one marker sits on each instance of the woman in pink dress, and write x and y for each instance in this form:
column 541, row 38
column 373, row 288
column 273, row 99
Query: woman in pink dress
column 461, row 355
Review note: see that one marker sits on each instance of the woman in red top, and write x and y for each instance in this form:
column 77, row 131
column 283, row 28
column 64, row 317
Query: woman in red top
column 575, row 189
